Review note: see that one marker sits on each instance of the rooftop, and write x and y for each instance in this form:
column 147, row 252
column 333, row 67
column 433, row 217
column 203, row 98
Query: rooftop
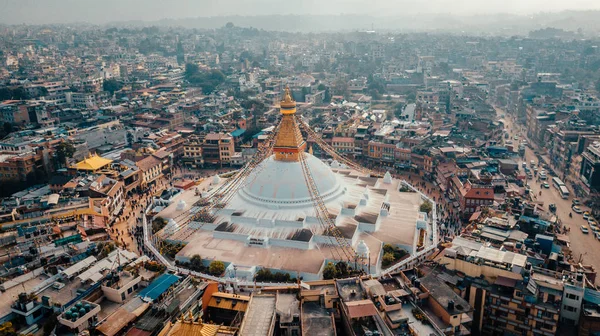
column 260, row 315
column 443, row 295
column 92, row 163
column 316, row 320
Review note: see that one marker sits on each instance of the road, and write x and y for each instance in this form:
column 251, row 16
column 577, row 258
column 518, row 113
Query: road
column 584, row 246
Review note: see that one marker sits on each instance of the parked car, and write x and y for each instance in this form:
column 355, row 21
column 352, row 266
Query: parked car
column 576, row 201
column 597, row 234
column 586, row 215
column 546, row 185
column 552, row 207
column 585, row 229
column 577, row 209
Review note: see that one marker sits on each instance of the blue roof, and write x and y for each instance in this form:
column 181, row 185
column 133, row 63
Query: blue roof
column 237, row 132
column 497, row 148
column 528, row 219
column 159, row 286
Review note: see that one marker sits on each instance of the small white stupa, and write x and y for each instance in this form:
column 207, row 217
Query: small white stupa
column 387, row 178
column 181, row 205
column 362, row 250
column 335, row 164
column 170, row 227
column 216, row 180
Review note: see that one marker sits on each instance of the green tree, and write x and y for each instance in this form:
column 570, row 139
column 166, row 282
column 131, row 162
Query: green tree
column 426, row 207
column 104, row 249
column 112, row 85
column 63, row 151
column 196, row 262
column 191, row 69
column 388, row 259
column 330, row 271
column 216, row 267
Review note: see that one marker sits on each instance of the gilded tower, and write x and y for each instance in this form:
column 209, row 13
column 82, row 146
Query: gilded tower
column 288, row 141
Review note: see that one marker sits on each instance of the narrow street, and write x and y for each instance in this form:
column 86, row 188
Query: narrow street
column 584, row 247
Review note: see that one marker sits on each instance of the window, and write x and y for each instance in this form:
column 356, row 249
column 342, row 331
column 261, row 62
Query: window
column 572, row 297
column 570, row 309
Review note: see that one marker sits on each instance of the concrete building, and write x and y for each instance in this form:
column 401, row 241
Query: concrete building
column 590, row 168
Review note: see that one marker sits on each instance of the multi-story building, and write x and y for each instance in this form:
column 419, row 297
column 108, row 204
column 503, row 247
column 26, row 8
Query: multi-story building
column 471, row 197
column 192, row 152
column 590, row 168
column 532, row 306
column 343, row 144
column 150, row 170
column 112, row 192
column 218, row 148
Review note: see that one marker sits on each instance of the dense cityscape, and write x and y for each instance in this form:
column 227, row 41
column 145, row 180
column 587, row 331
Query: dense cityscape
column 234, row 181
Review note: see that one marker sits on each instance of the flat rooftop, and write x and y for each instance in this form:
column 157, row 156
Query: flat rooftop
column 316, row 320
column 259, row 315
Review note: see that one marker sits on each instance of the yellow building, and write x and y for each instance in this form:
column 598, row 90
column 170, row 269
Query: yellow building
column 92, row 163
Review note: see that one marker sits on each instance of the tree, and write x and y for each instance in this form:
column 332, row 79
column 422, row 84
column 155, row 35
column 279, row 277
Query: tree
column 207, row 80
column 196, row 262
column 216, row 267
column 330, row 271
column 63, row 151
column 158, row 224
column 112, row 85
column 426, row 207
column 104, row 249
column 388, row 259
column 191, row 69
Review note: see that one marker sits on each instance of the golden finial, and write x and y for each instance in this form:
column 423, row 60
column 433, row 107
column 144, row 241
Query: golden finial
column 310, row 150
column 288, row 103
column 287, row 97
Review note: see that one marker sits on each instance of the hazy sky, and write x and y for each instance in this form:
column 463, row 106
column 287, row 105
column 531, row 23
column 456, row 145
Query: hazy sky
column 102, row 11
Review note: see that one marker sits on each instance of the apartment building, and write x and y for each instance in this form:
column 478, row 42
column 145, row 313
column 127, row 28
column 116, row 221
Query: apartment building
column 150, row 170
column 218, row 148
column 192, row 152
column 471, row 197
column 343, row 145
column 590, row 168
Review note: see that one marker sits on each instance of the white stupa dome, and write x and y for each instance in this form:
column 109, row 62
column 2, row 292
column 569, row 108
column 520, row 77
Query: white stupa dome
column 281, row 184
column 216, row 180
column 181, row 205
column 335, row 164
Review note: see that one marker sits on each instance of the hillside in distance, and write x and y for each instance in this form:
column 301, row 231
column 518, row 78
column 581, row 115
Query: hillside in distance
column 502, row 24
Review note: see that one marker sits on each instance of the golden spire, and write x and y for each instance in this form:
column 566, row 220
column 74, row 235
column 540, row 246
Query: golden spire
column 288, row 140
